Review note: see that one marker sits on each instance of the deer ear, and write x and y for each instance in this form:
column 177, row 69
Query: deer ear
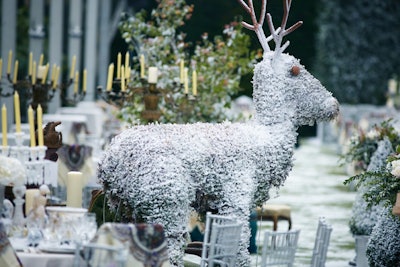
column 295, row 70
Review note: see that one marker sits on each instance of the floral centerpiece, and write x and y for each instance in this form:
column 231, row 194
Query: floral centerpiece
column 12, row 173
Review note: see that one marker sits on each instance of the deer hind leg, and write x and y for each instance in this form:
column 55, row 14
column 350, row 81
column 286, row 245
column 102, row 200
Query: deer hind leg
column 168, row 204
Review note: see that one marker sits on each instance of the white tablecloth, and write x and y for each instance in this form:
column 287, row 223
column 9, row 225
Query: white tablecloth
column 46, row 259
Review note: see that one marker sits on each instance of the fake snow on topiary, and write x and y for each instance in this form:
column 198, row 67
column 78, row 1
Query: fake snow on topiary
column 364, row 217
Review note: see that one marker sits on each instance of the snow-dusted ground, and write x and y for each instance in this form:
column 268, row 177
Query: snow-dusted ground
column 315, row 188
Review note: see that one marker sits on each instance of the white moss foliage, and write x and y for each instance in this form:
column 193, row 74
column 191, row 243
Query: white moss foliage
column 383, row 249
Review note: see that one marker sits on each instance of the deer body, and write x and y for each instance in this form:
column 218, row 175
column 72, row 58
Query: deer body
column 161, row 171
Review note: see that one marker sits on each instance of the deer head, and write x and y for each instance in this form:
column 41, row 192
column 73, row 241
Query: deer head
column 283, row 90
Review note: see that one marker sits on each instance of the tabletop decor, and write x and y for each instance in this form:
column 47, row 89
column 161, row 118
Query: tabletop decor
column 159, row 172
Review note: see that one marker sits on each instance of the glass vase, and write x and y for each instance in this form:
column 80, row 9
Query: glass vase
column 18, row 228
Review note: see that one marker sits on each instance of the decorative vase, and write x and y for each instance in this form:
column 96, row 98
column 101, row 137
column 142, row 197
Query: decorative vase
column 18, row 218
column 396, row 207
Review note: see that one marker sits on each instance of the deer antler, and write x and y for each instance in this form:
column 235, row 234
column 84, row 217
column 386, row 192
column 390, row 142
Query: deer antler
column 276, row 34
column 257, row 25
column 281, row 32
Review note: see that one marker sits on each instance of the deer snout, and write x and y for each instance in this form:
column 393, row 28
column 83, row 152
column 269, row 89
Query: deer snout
column 331, row 107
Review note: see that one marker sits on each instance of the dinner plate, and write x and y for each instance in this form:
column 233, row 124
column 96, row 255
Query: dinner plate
column 19, row 244
column 65, row 249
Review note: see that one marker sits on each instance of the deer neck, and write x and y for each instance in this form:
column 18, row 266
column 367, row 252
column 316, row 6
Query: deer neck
column 270, row 100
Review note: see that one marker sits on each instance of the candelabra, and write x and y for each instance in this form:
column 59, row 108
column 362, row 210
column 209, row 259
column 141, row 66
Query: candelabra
column 120, row 92
column 151, row 95
column 36, row 89
column 32, row 157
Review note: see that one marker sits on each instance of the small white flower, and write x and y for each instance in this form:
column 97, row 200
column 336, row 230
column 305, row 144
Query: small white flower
column 395, row 168
column 372, row 134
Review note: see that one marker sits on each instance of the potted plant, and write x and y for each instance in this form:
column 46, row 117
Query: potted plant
column 381, row 188
column 370, row 150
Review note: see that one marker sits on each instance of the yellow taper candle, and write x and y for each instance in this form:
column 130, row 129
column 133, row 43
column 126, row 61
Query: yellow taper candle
column 46, row 71
column 9, row 62
column 53, row 73
column 71, row 75
column 119, row 66
column 186, row 80
column 194, row 82
column 17, row 112
column 39, row 114
column 56, row 78
column 41, row 58
column 123, row 79
column 84, row 80
column 126, row 64
column 4, row 124
column 30, row 195
column 31, row 126
column 74, row 189
column 110, row 76
column 30, row 64
column 76, row 82
column 182, row 77
column 34, row 73
column 141, row 66
column 15, row 72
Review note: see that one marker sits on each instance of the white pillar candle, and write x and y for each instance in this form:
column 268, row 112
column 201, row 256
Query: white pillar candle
column 74, row 189
column 153, row 73
column 29, row 199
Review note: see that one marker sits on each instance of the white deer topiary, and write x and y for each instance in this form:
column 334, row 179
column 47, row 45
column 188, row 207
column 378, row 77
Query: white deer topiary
column 159, row 172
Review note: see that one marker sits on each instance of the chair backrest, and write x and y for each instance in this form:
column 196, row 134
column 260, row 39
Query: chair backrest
column 221, row 241
column 321, row 244
column 126, row 245
column 279, row 248
column 101, row 255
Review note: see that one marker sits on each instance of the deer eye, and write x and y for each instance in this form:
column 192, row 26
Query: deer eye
column 295, row 70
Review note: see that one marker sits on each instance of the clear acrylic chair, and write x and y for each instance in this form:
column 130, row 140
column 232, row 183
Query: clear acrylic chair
column 321, row 244
column 221, row 241
column 279, row 248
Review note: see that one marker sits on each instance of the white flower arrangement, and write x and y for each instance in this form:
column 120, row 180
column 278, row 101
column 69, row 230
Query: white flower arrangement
column 12, row 171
